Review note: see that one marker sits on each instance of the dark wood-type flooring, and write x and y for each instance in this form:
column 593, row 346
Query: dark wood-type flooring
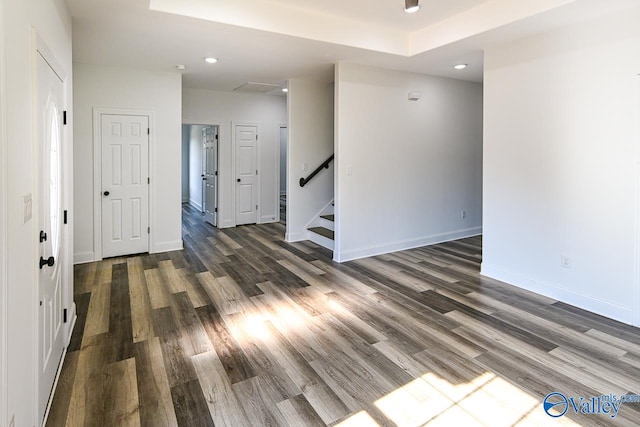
column 243, row 329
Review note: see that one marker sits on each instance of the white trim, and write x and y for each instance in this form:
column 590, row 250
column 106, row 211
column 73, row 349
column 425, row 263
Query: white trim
column 97, row 173
column 168, row 246
column 196, row 205
column 279, row 127
column 4, row 377
column 219, row 202
column 83, row 257
column 297, row 237
column 402, row 245
column 560, row 293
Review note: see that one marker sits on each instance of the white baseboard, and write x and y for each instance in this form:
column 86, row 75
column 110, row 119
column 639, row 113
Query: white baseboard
column 433, row 239
column 83, row 257
column 296, row 237
column 226, row 224
column 558, row 292
column 195, row 205
column 269, row 218
column 71, row 317
column 167, row 247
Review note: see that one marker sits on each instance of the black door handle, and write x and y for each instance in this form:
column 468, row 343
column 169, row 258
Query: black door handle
column 238, row 180
column 106, row 193
column 48, row 262
column 43, row 236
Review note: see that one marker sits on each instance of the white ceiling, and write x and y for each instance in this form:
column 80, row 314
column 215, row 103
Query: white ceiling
column 271, row 41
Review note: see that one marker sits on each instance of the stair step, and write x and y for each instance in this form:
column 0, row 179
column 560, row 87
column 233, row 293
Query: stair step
column 323, row 232
column 328, row 217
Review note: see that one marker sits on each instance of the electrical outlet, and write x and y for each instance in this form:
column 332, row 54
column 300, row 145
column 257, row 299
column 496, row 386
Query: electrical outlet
column 463, row 214
column 565, row 261
column 27, row 208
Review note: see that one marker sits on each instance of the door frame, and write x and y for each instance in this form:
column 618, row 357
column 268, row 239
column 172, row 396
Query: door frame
column 234, row 125
column 98, row 112
column 279, row 127
column 39, row 47
column 636, row 304
column 220, row 173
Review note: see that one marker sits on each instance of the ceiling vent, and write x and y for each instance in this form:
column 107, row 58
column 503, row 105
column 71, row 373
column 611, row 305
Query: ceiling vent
column 256, row 87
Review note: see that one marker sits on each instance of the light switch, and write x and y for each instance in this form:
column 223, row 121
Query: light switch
column 349, row 169
column 305, row 167
column 27, row 208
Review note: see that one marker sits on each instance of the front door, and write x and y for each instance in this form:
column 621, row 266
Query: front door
column 125, row 184
column 50, row 236
column 210, row 173
column 246, row 175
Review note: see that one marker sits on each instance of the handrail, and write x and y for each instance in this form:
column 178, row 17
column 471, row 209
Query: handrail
column 325, row 164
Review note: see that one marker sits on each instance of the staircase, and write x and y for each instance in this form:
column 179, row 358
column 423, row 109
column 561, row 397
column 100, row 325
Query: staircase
column 321, row 229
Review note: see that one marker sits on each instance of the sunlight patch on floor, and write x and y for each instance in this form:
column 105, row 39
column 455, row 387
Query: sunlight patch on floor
column 487, row 400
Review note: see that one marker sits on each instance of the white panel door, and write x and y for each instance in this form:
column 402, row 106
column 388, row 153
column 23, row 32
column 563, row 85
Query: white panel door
column 246, row 174
column 50, row 318
column 210, row 173
column 125, row 186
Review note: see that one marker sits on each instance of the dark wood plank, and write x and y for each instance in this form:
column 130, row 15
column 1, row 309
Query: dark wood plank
column 190, row 406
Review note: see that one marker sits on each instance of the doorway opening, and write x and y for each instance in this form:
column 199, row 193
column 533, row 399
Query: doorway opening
column 200, row 170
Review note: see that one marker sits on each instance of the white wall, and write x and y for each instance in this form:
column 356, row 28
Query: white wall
column 158, row 92
column 185, row 163
column 561, row 175
column 310, row 143
column 406, row 169
column 51, row 20
column 3, row 225
column 224, row 108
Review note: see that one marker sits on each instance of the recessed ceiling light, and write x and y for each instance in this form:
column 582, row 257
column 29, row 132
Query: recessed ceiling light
column 181, row 67
column 460, row 66
column 285, row 90
column 411, row 6
column 211, row 60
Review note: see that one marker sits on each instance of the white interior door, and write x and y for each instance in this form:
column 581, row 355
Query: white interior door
column 210, row 173
column 246, row 174
column 50, row 316
column 125, row 184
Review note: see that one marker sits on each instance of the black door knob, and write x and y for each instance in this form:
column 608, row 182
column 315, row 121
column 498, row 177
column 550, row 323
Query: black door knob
column 106, row 193
column 43, row 236
column 238, row 179
column 48, row 262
